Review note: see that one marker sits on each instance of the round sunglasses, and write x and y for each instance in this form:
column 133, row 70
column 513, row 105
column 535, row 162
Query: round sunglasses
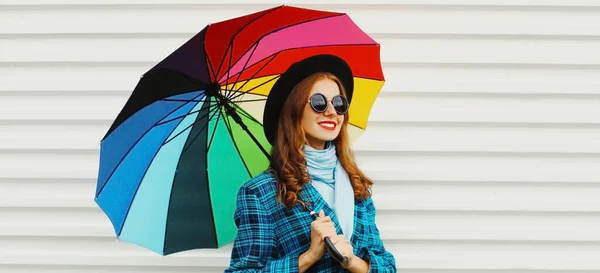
column 319, row 103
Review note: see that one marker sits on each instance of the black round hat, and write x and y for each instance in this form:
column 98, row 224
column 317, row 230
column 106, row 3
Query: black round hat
column 292, row 76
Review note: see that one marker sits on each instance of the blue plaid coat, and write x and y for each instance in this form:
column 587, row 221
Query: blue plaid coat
column 271, row 237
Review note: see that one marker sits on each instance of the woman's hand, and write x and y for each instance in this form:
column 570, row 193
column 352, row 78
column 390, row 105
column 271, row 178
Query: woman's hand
column 344, row 247
column 353, row 264
column 320, row 228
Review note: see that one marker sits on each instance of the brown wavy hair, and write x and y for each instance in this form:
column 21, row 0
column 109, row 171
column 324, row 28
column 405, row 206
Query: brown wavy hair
column 287, row 156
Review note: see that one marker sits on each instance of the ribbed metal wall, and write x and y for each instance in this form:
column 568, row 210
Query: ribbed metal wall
column 484, row 144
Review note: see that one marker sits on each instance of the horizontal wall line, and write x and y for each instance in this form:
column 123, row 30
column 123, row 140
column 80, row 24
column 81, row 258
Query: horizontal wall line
column 50, row 209
column 52, row 180
column 111, row 268
column 378, row 182
column 375, row 35
column 381, row 210
column 539, row 66
column 393, row 211
column 108, row 122
column 497, row 242
column 544, row 125
column 432, row 212
column 150, row 64
column 382, row 153
column 485, row 183
column 342, row 7
column 386, row 94
column 408, row 153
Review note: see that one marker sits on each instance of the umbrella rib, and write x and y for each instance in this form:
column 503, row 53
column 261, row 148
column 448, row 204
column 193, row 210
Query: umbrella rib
column 229, row 66
column 210, row 67
column 223, row 58
column 235, row 35
column 245, row 114
column 243, row 68
column 228, row 126
column 246, row 82
column 250, row 117
column 253, row 100
column 180, row 100
column 215, row 129
column 241, row 93
column 185, row 115
column 236, row 117
column 352, row 124
column 194, row 123
column 198, row 134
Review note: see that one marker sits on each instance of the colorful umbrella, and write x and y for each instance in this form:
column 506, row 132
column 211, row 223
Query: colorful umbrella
column 191, row 132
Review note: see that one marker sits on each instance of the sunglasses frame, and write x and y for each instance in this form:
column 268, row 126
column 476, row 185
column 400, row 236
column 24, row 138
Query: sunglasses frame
column 345, row 101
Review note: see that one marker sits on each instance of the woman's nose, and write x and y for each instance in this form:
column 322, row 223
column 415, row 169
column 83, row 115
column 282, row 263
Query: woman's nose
column 330, row 110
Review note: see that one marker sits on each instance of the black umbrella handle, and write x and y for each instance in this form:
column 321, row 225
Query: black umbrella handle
column 334, row 252
column 329, row 245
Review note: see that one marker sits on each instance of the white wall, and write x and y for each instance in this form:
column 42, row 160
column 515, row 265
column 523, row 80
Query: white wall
column 484, row 144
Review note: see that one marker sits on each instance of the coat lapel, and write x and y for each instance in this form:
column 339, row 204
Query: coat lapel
column 318, row 203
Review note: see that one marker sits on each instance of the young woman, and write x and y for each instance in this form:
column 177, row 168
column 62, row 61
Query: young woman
column 312, row 169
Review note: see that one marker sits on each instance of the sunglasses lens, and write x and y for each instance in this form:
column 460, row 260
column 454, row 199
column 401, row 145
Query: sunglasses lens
column 318, row 102
column 340, row 104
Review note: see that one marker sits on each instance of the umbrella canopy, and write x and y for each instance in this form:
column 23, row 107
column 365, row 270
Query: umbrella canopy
column 191, row 132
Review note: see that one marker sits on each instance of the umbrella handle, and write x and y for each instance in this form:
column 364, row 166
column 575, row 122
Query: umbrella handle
column 334, row 252
column 329, row 245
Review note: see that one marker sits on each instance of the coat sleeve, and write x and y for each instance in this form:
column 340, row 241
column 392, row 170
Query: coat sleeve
column 379, row 259
column 254, row 246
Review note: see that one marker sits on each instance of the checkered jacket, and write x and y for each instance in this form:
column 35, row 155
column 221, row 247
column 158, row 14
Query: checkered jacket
column 270, row 237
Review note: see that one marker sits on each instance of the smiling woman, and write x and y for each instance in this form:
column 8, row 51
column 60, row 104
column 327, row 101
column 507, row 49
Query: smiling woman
column 311, row 169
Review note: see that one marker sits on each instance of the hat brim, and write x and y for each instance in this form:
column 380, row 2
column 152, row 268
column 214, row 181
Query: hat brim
column 292, row 76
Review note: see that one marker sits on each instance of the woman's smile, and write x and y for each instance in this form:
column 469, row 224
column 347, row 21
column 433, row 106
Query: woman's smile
column 328, row 125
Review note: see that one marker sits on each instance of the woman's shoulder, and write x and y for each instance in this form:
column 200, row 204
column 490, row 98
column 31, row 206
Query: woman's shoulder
column 260, row 189
column 261, row 185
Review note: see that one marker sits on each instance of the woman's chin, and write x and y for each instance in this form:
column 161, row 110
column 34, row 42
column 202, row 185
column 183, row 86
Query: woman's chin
column 328, row 136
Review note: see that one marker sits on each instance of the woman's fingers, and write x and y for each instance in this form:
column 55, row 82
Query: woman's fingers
column 325, row 230
column 322, row 217
column 339, row 239
column 328, row 230
column 324, row 226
